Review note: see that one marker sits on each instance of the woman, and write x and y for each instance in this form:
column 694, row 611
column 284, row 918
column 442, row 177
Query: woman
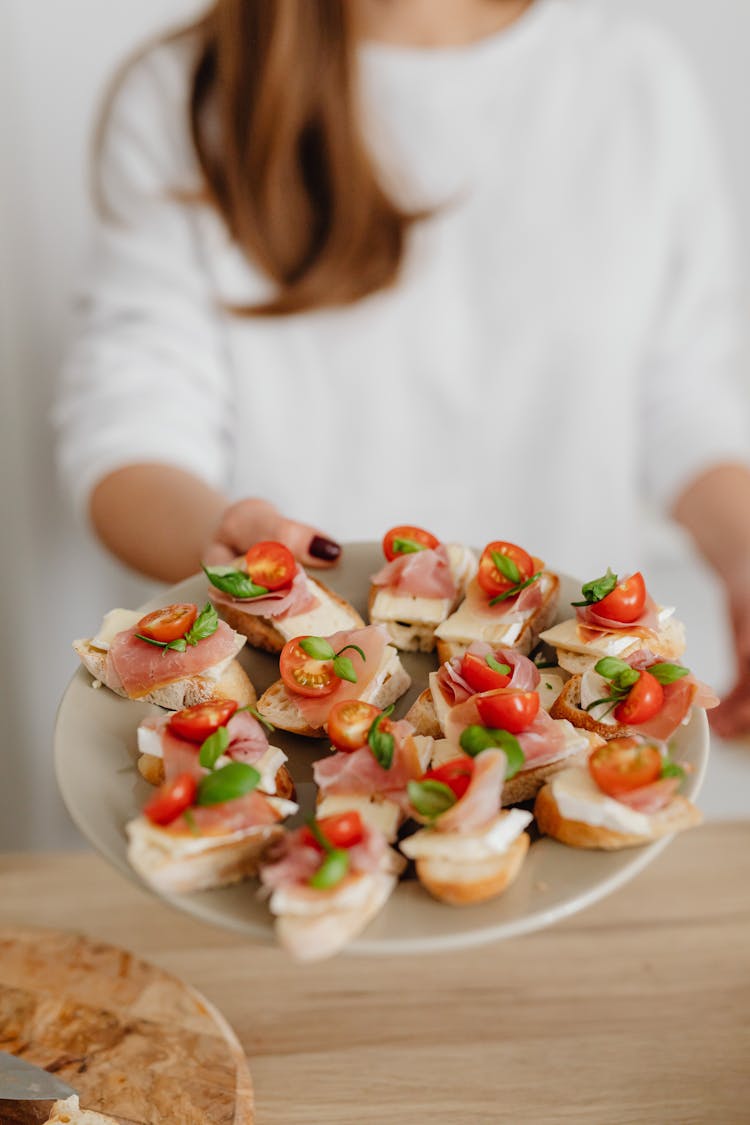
column 465, row 265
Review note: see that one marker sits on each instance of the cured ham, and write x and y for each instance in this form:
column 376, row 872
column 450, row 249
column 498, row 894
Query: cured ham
column 511, row 609
column 543, row 742
column 139, row 667
column 679, row 698
column 247, row 743
column 361, row 774
column 454, row 688
column 289, row 601
column 421, row 574
column 590, row 623
column 481, row 801
column 651, row 798
column 372, row 639
column 251, row 811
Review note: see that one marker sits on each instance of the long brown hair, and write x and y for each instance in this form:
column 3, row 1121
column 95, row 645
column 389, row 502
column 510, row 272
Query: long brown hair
column 275, row 127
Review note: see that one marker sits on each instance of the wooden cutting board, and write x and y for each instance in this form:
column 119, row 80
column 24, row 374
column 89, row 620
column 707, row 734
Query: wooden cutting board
column 134, row 1041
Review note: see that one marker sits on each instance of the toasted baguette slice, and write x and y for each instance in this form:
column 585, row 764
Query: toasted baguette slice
column 679, row 814
column 69, row 1112
column 462, row 628
column 316, row 936
column 423, row 716
column 577, row 656
column 151, row 770
column 462, row 884
column 279, row 707
column 266, row 633
column 179, row 868
column 568, row 706
column 231, row 681
column 527, row 783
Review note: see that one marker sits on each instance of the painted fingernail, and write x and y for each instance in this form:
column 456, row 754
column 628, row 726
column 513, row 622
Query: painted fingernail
column 326, row 549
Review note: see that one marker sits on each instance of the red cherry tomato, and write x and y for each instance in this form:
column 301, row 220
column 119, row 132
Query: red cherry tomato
column 270, row 564
column 644, row 700
column 171, row 799
column 456, row 774
column 349, row 723
column 626, row 602
column 624, row 764
column 415, row 534
column 342, row 831
column 169, row 623
column 479, row 676
column 492, row 581
column 198, row 722
column 513, row 711
column 303, row 675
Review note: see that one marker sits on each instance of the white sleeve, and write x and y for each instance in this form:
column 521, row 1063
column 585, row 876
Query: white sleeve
column 145, row 379
column 695, row 406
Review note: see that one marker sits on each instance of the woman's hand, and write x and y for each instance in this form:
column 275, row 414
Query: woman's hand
column 248, row 521
column 732, row 717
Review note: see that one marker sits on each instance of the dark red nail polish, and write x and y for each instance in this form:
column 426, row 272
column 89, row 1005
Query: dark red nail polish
column 325, row 549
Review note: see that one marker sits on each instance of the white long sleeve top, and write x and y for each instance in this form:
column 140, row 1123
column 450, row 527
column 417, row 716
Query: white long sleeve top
column 563, row 338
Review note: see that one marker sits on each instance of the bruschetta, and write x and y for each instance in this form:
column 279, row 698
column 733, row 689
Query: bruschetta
column 268, row 597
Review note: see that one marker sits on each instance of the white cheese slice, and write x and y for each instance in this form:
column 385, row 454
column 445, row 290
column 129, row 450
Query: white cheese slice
column 441, row 705
column 579, row 798
column 593, row 687
column 495, row 839
column 616, row 643
column 352, row 893
column 465, row 626
column 142, row 832
column 409, row 608
column 550, row 686
column 113, row 623
column 323, row 619
column 383, row 815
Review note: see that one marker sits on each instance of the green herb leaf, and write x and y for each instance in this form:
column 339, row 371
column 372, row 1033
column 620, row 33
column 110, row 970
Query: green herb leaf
column 548, row 685
column 356, row 649
column 407, row 546
column 430, row 798
column 332, row 870
column 610, row 666
column 598, row 588
column 475, row 738
column 180, row 645
column 344, row 669
column 613, row 701
column 381, row 743
column 233, row 780
column 213, row 747
column 496, row 666
column 668, row 673
column 317, row 647
column 514, row 590
column 671, row 769
column 505, row 566
column 205, row 625
column 257, row 715
column 234, row 582
column 319, row 834
column 190, row 820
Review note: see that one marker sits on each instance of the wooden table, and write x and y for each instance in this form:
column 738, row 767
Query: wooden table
column 635, row 1011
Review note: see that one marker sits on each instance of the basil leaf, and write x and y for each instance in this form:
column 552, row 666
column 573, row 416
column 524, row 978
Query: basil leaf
column 205, row 625
column 598, row 588
column 430, row 798
column 505, row 566
column 234, row 582
column 317, row 647
column 189, row 819
column 356, row 649
column 496, row 666
column 625, row 680
column 474, row 739
column 319, row 835
column 213, row 747
column 671, row 769
column 233, row 780
column 381, row 743
column 407, row 546
column 344, row 669
column 610, row 666
column 515, row 756
column 613, row 700
column 514, row 590
column 331, row 871
column 180, row 645
column 151, row 641
column 668, row 673
column 257, row 715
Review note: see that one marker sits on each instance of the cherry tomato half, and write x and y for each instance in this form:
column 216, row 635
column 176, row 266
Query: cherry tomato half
column 171, row 799
column 198, row 722
column 513, row 711
column 303, row 675
column 624, row 764
column 343, row 830
column 349, row 722
column 270, row 564
column 456, row 774
column 492, row 581
column 478, row 674
column 644, row 700
column 169, row 623
column 626, row 601
column 415, row 534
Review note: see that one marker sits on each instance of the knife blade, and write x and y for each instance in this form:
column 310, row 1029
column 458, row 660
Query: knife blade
column 22, row 1081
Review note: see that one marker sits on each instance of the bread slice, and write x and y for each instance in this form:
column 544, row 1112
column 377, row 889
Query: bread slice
column 263, row 632
column 279, row 707
column 316, row 936
column 577, row 657
column 180, row 867
column 151, row 770
column 69, row 1112
column 679, row 814
column 423, row 716
column 462, row 884
column 527, row 783
column 477, row 629
column 568, row 706
column 230, row 682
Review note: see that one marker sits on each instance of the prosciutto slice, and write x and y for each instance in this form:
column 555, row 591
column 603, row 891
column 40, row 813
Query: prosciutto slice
column 481, row 801
column 524, row 672
column 289, row 601
column 361, row 774
column 543, row 742
column 651, row 798
column 372, row 639
column 140, row 667
column 679, row 698
column 512, row 609
column 297, row 861
column 247, row 743
column 647, row 625
column 422, row 574
column 250, row 811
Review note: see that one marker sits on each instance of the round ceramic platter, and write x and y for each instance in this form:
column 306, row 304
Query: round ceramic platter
column 95, row 755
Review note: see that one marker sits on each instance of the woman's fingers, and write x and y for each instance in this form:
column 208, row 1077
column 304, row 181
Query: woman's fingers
column 251, row 520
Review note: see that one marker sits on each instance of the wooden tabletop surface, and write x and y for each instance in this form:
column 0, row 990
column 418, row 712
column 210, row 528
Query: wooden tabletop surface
column 635, row 1011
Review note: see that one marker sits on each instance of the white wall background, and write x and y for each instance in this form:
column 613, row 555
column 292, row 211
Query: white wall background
column 54, row 60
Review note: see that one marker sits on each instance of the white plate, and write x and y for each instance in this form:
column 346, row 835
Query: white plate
column 95, row 755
